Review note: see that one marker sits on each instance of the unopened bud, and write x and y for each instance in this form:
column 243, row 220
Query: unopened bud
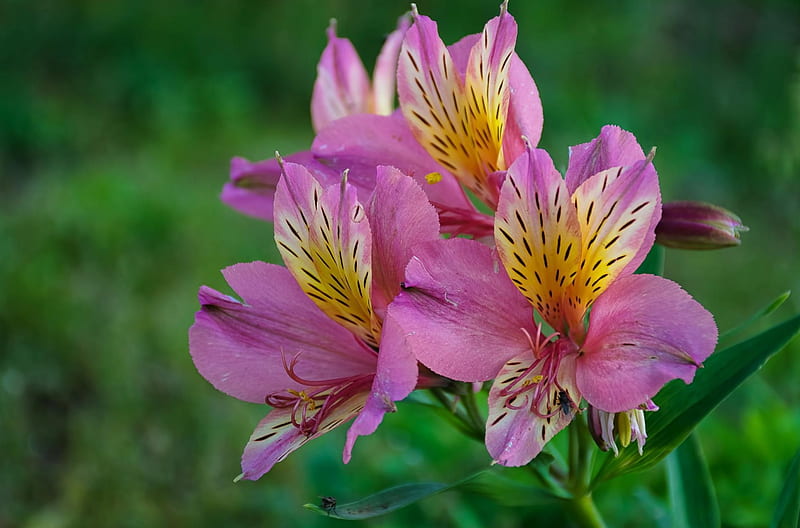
column 698, row 225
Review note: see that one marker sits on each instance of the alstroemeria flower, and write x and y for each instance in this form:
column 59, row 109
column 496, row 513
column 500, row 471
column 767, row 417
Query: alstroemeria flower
column 563, row 246
column 464, row 109
column 459, row 101
column 316, row 340
column 342, row 88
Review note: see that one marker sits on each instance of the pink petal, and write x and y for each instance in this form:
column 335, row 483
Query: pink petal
column 462, row 315
column 395, row 378
column 324, row 239
column 614, row 147
column 271, row 442
column 362, row 142
column 251, row 189
column 432, row 100
column 515, row 435
column 537, row 234
column 276, row 437
column 525, row 117
column 487, row 90
column 400, row 217
column 643, row 331
column 342, row 85
column 239, row 347
column 461, row 50
column 383, row 78
column 617, row 210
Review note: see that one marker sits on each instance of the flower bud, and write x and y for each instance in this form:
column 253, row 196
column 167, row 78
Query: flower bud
column 627, row 426
column 698, row 225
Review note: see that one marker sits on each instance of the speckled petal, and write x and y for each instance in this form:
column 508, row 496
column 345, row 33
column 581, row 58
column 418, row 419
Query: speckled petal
column 643, row 331
column 325, row 240
column 276, row 437
column 617, row 210
column 537, row 234
column 239, row 346
column 514, row 434
column 614, row 147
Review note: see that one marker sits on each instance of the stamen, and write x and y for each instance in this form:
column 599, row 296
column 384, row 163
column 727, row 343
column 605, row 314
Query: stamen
column 314, row 403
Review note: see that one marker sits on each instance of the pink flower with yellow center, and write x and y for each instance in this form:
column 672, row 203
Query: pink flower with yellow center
column 463, row 112
column 316, row 340
column 563, row 246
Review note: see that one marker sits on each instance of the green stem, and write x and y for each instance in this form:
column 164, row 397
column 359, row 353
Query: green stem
column 581, row 456
column 470, row 405
column 461, row 421
column 584, row 512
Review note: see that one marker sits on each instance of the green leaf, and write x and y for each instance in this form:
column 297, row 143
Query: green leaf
column 765, row 311
column 509, row 486
column 653, row 264
column 382, row 502
column 691, row 491
column 683, row 406
column 787, row 512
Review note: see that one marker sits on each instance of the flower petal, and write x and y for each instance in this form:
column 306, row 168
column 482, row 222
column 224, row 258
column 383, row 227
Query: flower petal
column 514, row 434
column 362, row 142
column 525, row 117
column 342, row 84
column 324, row 238
column 643, row 331
column 617, row 210
column 432, row 99
column 239, row 347
column 614, row 147
column 276, row 437
column 537, row 233
column 525, row 107
column 395, row 378
column 487, row 92
column 400, row 217
column 383, row 78
column 251, row 189
column 462, row 315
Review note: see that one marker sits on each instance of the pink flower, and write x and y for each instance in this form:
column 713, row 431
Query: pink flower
column 469, row 105
column 342, row 88
column 564, row 246
column 316, row 340
column 464, row 110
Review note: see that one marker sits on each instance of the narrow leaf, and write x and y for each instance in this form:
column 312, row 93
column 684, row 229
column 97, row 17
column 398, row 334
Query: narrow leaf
column 765, row 311
column 379, row 503
column 503, row 488
column 787, row 512
column 691, row 491
column 684, row 406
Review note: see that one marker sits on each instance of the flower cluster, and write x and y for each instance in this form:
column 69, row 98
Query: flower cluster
column 539, row 296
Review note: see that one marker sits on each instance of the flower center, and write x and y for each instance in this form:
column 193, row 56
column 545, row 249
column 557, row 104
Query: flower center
column 312, row 405
column 538, row 386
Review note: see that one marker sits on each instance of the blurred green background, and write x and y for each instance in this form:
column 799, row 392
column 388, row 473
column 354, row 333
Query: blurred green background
column 117, row 121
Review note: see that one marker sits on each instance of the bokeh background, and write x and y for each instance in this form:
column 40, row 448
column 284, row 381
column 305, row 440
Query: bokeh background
column 117, row 121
